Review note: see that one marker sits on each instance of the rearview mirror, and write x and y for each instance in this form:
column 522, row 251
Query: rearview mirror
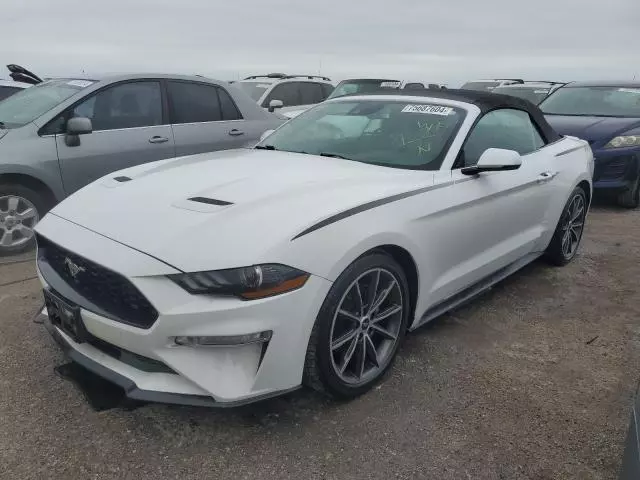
column 274, row 104
column 266, row 134
column 79, row 126
column 495, row 160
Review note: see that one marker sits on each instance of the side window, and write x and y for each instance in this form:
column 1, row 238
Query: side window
column 287, row 92
column 310, row 92
column 327, row 90
column 127, row 105
column 229, row 109
column 194, row 102
column 505, row 128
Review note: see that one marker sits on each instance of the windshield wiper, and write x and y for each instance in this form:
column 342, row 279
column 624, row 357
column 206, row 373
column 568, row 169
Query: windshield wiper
column 333, row 155
column 265, row 147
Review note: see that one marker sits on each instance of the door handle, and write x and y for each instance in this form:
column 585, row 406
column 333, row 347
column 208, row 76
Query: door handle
column 158, row 139
column 235, row 132
column 546, row 176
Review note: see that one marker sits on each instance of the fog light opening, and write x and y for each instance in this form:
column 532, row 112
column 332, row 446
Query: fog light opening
column 223, row 340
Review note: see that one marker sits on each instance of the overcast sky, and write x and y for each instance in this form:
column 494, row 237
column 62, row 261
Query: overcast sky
column 440, row 41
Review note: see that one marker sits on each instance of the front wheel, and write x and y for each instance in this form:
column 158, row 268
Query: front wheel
column 359, row 328
column 631, row 197
column 568, row 234
column 20, row 209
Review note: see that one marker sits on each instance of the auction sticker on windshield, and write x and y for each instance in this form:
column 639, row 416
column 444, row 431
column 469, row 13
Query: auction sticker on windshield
column 390, row 84
column 430, row 109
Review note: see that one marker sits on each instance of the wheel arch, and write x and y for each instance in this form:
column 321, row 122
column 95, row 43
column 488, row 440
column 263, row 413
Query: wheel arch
column 398, row 247
column 31, row 182
column 410, row 268
column 586, row 186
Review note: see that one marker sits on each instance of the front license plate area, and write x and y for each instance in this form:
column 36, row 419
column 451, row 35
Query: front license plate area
column 65, row 316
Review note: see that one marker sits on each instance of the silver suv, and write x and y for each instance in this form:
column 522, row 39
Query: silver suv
column 59, row 135
column 287, row 92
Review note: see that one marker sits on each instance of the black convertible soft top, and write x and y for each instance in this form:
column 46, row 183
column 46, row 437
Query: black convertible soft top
column 486, row 102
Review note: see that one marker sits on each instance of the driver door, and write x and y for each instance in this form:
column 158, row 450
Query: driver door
column 494, row 218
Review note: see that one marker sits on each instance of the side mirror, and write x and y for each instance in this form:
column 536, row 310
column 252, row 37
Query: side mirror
column 495, row 160
column 274, row 104
column 77, row 126
column 266, row 134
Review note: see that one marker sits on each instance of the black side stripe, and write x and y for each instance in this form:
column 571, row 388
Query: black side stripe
column 566, row 152
column 368, row 206
column 210, row 201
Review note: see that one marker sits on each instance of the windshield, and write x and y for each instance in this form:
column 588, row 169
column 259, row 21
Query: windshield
column 381, row 132
column 594, row 101
column 254, row 89
column 534, row 94
column 482, row 86
column 351, row 87
column 30, row 103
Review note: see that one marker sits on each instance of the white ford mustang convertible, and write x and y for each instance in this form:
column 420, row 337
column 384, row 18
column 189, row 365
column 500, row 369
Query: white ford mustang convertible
column 224, row 278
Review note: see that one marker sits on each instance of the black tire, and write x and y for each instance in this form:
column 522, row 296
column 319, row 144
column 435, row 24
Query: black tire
column 631, row 197
column 319, row 370
column 39, row 201
column 555, row 254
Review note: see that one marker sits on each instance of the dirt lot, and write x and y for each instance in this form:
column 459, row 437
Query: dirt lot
column 533, row 380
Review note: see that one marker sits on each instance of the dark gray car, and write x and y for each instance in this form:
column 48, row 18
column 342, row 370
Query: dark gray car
column 57, row 136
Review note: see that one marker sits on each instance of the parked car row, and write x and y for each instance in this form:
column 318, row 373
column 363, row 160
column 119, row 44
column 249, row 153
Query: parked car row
column 293, row 94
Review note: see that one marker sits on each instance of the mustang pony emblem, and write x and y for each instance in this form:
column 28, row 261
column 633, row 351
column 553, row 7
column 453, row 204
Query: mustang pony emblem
column 74, row 269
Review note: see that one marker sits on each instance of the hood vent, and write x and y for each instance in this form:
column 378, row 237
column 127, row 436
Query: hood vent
column 210, row 201
column 122, row 179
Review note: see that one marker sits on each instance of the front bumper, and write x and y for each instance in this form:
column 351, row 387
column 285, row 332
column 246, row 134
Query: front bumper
column 213, row 376
column 616, row 169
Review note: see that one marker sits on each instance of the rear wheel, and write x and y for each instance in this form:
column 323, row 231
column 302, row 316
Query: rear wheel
column 20, row 209
column 360, row 326
column 630, row 198
column 568, row 234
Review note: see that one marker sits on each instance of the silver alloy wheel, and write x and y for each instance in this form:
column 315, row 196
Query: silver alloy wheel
column 573, row 225
column 366, row 326
column 18, row 217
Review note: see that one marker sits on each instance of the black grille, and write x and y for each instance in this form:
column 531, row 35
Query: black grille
column 95, row 286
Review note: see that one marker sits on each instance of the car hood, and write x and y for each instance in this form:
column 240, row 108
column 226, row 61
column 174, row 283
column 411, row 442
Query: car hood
column 592, row 129
column 248, row 204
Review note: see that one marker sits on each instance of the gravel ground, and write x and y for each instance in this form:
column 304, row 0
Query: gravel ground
column 533, row 380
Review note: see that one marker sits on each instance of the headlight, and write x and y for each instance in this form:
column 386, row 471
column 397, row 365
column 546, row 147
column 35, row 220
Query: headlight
column 258, row 281
column 624, row 141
